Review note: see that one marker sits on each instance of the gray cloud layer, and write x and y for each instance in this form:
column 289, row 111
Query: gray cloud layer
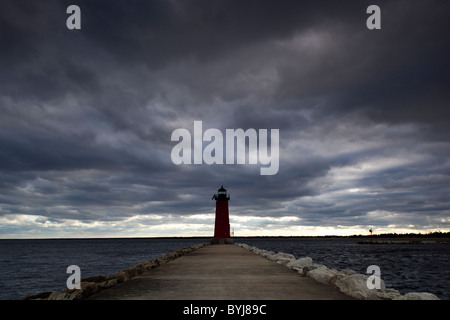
column 86, row 116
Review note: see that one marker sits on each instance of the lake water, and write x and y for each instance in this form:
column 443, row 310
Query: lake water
column 28, row 267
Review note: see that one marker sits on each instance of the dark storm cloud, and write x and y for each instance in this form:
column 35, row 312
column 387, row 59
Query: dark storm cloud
column 86, row 116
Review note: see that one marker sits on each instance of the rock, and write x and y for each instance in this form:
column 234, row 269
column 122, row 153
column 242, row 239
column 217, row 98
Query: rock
column 347, row 272
column 96, row 279
column 265, row 253
column 280, row 257
column 61, row 296
column 420, row 296
column 243, row 245
column 299, row 270
column 87, row 289
column 257, row 251
column 356, row 286
column 39, row 296
column 389, row 294
column 323, row 275
column 121, row 276
column 271, row 257
column 283, row 258
column 300, row 263
column 268, row 253
column 353, row 286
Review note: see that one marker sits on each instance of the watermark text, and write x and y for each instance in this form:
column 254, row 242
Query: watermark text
column 234, row 147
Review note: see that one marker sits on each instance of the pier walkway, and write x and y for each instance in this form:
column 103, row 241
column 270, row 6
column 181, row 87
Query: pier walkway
column 221, row 272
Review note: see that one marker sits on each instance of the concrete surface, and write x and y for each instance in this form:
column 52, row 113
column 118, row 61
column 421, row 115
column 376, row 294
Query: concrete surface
column 221, row 272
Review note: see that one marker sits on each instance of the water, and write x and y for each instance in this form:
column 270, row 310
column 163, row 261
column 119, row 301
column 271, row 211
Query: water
column 29, row 267
column 404, row 267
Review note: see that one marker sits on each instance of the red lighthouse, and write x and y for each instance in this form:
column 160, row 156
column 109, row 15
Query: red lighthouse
column 222, row 225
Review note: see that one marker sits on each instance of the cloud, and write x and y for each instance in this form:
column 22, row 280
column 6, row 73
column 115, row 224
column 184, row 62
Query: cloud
column 86, row 116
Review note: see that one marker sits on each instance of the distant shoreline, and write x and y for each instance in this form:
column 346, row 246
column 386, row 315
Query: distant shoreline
column 432, row 235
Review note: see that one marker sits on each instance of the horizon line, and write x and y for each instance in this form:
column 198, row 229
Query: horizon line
column 411, row 234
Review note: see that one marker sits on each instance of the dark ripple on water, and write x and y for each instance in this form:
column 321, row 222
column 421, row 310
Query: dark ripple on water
column 28, row 267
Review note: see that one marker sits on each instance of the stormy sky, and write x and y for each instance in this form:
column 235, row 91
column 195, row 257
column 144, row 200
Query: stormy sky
column 86, row 116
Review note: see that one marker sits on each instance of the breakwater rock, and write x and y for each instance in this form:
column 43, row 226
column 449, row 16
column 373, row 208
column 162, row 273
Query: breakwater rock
column 404, row 242
column 346, row 280
column 93, row 285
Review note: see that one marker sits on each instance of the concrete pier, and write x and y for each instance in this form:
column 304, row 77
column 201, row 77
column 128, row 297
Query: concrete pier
column 221, row 272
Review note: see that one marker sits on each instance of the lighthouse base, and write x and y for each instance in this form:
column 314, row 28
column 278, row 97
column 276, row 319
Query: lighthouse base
column 222, row 241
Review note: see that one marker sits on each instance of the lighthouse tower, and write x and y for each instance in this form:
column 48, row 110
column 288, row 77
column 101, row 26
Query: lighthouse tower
column 222, row 225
